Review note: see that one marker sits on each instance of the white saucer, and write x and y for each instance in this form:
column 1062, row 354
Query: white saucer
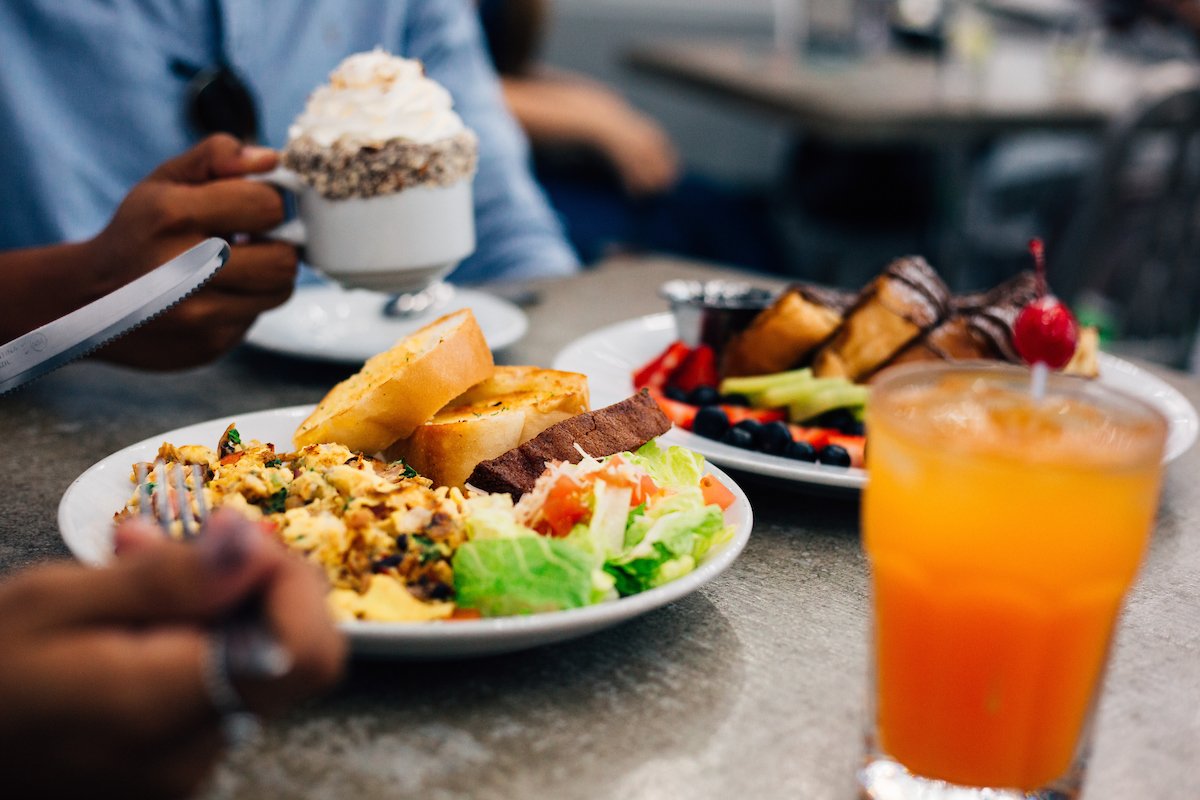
column 329, row 323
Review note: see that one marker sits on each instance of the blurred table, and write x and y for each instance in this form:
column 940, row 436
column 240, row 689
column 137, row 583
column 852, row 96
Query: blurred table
column 1025, row 85
column 899, row 95
column 752, row 687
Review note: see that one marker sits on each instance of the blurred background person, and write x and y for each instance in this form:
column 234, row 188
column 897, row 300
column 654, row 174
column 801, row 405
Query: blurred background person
column 611, row 171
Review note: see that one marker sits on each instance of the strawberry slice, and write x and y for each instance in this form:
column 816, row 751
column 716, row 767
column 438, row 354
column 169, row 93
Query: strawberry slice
column 682, row 414
column 764, row 415
column 655, row 374
column 698, row 369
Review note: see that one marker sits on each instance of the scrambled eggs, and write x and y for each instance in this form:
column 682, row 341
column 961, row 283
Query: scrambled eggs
column 383, row 535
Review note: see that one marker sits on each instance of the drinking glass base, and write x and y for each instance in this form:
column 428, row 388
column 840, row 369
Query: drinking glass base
column 881, row 778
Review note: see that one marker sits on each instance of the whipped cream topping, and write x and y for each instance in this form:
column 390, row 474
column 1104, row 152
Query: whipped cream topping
column 373, row 98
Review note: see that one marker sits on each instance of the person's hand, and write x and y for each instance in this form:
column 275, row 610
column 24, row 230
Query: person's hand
column 102, row 689
column 638, row 148
column 197, row 195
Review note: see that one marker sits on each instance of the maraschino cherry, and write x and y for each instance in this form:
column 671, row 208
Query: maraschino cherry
column 1045, row 331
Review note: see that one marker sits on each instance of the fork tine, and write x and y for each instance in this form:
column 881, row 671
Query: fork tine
column 183, row 501
column 162, row 487
column 198, row 491
column 145, row 493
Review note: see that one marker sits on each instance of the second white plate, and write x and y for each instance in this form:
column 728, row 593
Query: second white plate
column 328, row 323
column 610, row 356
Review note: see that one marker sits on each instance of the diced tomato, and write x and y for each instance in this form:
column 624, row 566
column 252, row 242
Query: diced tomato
column 643, row 489
column 698, row 369
column 460, row 613
column 764, row 415
column 233, row 458
column 563, row 508
column 715, row 492
column 655, row 374
column 682, row 414
column 856, row 446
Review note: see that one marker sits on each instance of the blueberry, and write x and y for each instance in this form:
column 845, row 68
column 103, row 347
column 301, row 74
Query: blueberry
column 739, row 437
column 775, row 438
column 735, row 400
column 801, row 451
column 703, row 396
column 676, row 394
column 838, row 418
column 834, row 455
column 754, row 428
column 710, row 422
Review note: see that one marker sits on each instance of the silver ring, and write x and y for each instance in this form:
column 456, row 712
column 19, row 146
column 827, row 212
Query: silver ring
column 238, row 724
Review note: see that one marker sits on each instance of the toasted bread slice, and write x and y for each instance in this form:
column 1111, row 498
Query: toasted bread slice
column 782, row 336
column 491, row 418
column 399, row 389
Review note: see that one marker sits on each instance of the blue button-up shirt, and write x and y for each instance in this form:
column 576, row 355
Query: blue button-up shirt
column 89, row 105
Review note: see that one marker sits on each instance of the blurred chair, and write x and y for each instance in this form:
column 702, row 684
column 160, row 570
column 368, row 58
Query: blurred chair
column 1131, row 255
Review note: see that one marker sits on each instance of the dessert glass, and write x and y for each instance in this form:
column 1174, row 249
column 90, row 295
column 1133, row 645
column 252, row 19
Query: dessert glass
column 1002, row 535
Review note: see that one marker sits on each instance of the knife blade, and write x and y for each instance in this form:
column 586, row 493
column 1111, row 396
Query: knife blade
column 43, row 349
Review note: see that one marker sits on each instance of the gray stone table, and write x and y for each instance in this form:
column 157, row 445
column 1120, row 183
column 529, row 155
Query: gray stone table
column 752, row 687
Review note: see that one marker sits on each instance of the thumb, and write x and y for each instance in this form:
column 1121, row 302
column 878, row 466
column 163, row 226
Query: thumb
column 170, row 582
column 218, row 156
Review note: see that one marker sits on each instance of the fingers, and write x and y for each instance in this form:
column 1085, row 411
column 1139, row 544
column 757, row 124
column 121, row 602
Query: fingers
column 218, row 156
column 258, row 277
column 230, row 204
column 158, row 584
column 295, row 608
column 259, row 268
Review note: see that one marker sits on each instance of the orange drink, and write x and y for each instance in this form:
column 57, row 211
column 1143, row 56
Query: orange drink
column 1002, row 534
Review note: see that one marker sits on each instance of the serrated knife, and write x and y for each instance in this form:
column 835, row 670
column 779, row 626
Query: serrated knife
column 120, row 311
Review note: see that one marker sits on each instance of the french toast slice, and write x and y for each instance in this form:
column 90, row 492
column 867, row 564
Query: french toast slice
column 784, row 334
column 492, row 417
column 902, row 303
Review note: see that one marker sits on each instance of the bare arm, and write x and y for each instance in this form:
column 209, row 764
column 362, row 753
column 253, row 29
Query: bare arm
column 555, row 109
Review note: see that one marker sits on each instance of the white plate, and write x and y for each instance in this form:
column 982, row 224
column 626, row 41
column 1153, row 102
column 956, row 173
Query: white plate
column 610, row 356
column 329, row 323
column 85, row 521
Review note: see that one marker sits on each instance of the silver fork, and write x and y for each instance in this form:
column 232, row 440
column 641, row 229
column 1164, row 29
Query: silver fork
column 191, row 507
column 243, row 645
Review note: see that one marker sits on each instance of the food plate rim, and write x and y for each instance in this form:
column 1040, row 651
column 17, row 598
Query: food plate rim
column 1181, row 414
column 397, row 634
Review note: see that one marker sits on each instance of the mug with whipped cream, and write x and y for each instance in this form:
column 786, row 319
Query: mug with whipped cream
column 381, row 167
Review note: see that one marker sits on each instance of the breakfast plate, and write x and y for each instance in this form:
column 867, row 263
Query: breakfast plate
column 610, row 356
column 326, row 322
column 85, row 522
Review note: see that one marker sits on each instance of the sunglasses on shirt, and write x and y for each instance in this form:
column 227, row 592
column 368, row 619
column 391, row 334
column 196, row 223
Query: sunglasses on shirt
column 218, row 101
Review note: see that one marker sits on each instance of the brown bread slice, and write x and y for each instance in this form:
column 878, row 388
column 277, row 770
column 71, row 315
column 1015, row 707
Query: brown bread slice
column 906, row 300
column 951, row 340
column 626, row 425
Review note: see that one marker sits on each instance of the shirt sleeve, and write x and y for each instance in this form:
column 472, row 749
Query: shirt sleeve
column 517, row 233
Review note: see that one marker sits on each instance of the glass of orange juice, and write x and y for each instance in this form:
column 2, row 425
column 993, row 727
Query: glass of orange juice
column 1002, row 534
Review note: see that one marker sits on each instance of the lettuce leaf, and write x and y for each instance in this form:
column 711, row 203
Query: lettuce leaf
column 675, row 467
column 524, row 575
column 670, row 546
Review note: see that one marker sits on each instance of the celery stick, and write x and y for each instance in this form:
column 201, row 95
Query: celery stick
column 788, row 394
column 828, row 398
column 751, row 385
